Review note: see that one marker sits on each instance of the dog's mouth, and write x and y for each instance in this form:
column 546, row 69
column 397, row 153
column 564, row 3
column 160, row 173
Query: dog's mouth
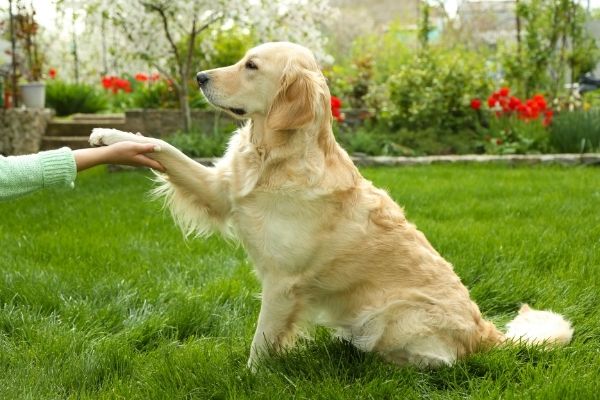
column 237, row 111
column 240, row 112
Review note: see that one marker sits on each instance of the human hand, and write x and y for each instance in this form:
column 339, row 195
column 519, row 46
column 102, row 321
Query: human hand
column 123, row 153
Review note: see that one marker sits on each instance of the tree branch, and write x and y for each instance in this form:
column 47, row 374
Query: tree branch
column 190, row 49
column 165, row 21
column 192, row 41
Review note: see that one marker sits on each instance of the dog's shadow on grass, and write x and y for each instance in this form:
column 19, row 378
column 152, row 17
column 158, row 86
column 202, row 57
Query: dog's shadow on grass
column 327, row 358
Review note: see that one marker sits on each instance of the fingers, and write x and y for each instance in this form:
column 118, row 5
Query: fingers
column 134, row 154
column 150, row 163
column 144, row 148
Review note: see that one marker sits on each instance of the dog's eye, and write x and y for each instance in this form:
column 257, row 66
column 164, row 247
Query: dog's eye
column 251, row 65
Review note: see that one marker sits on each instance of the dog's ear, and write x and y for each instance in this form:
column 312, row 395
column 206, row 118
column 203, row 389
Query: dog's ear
column 295, row 104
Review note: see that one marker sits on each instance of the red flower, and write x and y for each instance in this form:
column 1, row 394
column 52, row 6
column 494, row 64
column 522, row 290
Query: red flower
column 534, row 109
column 492, row 101
column 52, row 73
column 540, row 101
column 514, row 103
column 107, row 82
column 114, row 84
column 548, row 117
column 504, row 91
column 336, row 104
column 475, row 104
column 140, row 77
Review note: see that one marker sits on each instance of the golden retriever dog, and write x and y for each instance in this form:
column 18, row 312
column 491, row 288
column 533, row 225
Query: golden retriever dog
column 329, row 248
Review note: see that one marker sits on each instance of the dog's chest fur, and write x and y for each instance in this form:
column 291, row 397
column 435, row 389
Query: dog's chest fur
column 279, row 230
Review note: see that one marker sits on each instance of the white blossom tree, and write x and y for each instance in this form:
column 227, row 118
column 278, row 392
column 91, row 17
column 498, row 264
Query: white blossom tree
column 165, row 33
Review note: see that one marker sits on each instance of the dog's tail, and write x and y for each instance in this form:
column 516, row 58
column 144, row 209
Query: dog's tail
column 539, row 327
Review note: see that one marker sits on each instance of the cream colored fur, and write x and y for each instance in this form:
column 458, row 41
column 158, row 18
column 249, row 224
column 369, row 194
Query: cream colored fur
column 329, row 248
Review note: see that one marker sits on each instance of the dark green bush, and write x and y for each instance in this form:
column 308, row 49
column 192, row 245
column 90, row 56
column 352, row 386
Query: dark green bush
column 576, row 131
column 375, row 139
column 196, row 144
column 154, row 95
column 70, row 98
column 434, row 90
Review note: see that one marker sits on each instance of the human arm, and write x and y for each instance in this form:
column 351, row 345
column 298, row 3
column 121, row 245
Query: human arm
column 20, row 175
column 123, row 153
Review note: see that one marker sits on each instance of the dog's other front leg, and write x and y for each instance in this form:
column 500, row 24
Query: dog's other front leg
column 277, row 322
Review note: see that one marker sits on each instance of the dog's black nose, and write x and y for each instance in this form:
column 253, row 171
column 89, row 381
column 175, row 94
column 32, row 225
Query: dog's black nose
column 202, row 78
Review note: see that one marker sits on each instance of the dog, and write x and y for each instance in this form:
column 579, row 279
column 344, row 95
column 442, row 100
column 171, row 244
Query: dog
column 328, row 247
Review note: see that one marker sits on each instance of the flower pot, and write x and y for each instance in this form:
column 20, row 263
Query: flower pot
column 33, row 94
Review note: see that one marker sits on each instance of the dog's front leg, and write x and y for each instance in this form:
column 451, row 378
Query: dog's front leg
column 277, row 322
column 204, row 184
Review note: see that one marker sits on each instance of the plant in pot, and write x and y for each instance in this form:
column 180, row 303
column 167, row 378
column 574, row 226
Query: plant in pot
column 33, row 93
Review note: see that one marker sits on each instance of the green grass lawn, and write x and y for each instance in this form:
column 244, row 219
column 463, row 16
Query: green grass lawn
column 101, row 297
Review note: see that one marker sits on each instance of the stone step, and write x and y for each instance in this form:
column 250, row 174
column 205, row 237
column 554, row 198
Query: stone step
column 80, row 128
column 119, row 117
column 55, row 142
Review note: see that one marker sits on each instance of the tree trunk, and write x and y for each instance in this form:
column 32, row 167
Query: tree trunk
column 184, row 105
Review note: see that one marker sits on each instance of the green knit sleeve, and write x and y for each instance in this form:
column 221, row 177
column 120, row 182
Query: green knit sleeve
column 20, row 175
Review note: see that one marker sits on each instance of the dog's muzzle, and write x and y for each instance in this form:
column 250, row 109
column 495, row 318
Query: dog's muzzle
column 202, row 79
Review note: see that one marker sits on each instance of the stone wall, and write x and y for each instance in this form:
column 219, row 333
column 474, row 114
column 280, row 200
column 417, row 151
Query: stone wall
column 21, row 130
column 157, row 122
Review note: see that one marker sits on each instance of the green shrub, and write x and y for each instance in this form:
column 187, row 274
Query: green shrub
column 374, row 139
column 576, row 131
column 434, row 90
column 119, row 102
column 366, row 142
column 154, row 95
column 196, row 144
column 373, row 59
column 511, row 135
column 69, row 98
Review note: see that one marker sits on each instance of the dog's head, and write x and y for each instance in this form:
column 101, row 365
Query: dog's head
column 279, row 81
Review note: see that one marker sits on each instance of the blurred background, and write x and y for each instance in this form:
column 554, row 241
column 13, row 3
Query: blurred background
column 407, row 77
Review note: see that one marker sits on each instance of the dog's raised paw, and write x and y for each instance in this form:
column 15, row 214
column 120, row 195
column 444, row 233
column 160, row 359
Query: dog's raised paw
column 96, row 137
column 108, row 136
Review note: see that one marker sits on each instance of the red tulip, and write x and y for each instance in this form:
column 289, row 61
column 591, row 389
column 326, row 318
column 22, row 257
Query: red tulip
column 140, row 77
column 514, row 103
column 336, row 104
column 475, row 104
column 107, row 82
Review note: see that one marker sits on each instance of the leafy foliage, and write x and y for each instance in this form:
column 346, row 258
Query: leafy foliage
column 512, row 135
column 373, row 59
column 433, row 91
column 554, row 39
column 197, row 144
column 70, row 98
column 576, row 132
column 155, row 95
